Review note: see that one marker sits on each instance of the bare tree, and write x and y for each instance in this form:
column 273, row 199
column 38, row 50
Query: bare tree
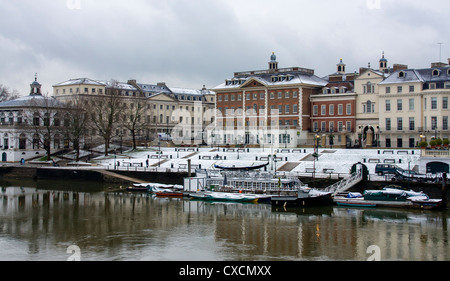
column 43, row 121
column 104, row 110
column 134, row 116
column 6, row 94
column 75, row 122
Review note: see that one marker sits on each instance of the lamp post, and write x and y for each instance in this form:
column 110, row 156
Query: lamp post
column 159, row 152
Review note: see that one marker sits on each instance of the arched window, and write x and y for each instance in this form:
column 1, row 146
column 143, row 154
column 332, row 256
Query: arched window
column 369, row 106
column 401, row 74
column 35, row 141
column 436, row 72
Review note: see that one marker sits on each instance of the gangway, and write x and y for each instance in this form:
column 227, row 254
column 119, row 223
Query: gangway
column 345, row 184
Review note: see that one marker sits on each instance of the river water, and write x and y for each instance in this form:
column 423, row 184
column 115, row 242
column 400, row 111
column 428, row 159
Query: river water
column 60, row 224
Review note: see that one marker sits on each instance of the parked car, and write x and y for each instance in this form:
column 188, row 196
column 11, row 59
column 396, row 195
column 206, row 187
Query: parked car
column 382, row 169
column 412, row 175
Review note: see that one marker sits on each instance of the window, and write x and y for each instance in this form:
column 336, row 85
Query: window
column 399, row 105
column 340, row 126
column 432, row 86
column 401, row 74
column 247, row 96
column 349, row 126
column 340, row 109
column 411, row 124
column 388, row 105
column 315, row 126
column 331, row 126
column 444, row 122
column 262, row 96
column 388, row 90
column 295, row 108
column 287, row 108
column 411, row 89
column 369, row 107
column 399, row 89
column 255, row 96
column 388, row 124
column 323, row 126
column 232, row 97
column 399, row 123
column 280, row 108
column 388, row 142
column 239, row 97
column 286, row 95
column 349, row 109
column 399, row 142
column 411, row 104
column 434, row 103
column 436, row 72
column 324, row 110
column 433, row 123
column 315, row 110
column 331, row 108
column 445, row 103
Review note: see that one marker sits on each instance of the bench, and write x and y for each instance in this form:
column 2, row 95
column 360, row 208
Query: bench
column 133, row 164
column 310, row 170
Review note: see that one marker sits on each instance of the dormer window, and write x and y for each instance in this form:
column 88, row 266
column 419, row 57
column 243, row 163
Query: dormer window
column 401, row 74
column 274, row 79
column 436, row 72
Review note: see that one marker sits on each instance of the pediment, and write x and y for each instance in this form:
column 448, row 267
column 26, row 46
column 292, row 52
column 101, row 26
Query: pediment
column 253, row 83
column 162, row 97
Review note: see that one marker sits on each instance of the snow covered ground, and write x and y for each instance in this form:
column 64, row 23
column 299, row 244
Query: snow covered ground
column 296, row 161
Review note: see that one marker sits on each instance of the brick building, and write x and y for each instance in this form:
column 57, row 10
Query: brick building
column 333, row 109
column 266, row 106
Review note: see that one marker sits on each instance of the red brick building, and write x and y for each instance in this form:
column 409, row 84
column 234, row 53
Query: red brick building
column 333, row 110
column 266, row 106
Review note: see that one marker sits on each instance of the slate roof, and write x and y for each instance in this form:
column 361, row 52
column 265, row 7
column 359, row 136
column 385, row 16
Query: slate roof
column 287, row 76
column 424, row 75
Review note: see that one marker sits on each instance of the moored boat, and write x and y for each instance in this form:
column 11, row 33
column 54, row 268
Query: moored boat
column 139, row 188
column 306, row 197
column 391, row 198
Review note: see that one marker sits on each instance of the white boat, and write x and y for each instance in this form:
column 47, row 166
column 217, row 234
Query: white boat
column 391, row 198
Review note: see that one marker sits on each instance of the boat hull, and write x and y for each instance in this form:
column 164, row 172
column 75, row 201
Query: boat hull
column 169, row 194
column 293, row 201
column 362, row 203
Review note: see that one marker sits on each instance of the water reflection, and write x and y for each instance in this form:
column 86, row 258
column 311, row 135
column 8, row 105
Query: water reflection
column 41, row 224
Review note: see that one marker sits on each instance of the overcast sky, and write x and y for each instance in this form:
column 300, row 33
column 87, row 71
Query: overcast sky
column 191, row 43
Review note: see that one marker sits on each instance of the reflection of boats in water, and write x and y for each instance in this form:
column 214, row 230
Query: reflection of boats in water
column 230, row 197
column 153, row 187
column 391, row 197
